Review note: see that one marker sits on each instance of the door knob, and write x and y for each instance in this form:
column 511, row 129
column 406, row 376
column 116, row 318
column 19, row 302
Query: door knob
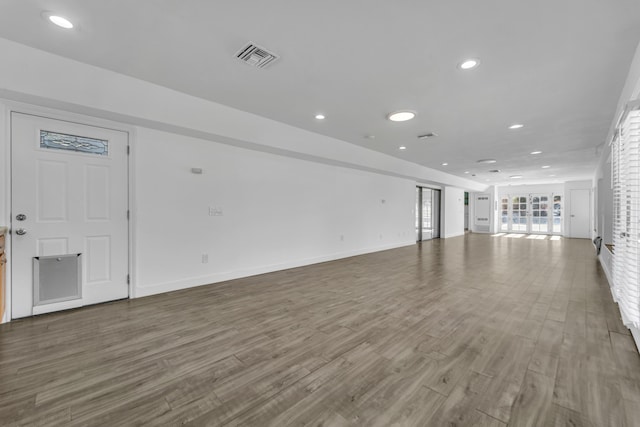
column 21, row 231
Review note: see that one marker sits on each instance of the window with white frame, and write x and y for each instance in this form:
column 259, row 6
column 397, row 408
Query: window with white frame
column 625, row 159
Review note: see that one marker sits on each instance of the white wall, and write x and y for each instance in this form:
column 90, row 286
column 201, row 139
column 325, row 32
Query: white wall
column 530, row 189
column 452, row 212
column 289, row 197
column 277, row 212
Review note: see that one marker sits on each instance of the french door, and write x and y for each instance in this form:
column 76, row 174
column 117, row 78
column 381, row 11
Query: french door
column 531, row 213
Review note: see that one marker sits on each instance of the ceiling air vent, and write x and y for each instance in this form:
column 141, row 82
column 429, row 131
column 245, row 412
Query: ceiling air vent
column 256, row 56
column 427, row 135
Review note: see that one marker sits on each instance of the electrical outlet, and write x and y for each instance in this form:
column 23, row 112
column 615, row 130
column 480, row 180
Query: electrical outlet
column 205, row 258
column 342, row 237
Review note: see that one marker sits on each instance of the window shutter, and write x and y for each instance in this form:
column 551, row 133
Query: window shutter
column 625, row 158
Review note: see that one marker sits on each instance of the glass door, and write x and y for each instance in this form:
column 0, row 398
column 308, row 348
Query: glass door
column 519, row 219
column 435, row 214
column 427, row 214
column 531, row 213
column 539, row 217
column 418, row 214
column 557, row 214
column 427, row 217
column 504, row 214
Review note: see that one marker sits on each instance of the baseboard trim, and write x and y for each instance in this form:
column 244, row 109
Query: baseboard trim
column 191, row 282
column 453, row 235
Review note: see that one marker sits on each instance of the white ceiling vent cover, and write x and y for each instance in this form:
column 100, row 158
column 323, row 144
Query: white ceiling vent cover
column 256, row 56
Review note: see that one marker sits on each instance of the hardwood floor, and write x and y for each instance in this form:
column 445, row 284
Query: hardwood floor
column 469, row 331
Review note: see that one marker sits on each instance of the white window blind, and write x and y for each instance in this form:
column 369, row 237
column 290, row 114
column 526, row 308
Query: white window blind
column 625, row 158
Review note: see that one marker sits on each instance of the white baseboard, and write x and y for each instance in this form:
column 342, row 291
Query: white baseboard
column 453, row 235
column 190, row 282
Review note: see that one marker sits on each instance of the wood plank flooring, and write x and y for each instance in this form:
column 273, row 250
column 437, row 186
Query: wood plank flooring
column 469, row 331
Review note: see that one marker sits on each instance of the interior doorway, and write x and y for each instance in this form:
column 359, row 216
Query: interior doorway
column 427, row 214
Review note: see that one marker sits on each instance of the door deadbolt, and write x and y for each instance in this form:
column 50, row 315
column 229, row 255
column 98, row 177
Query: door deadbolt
column 21, row 217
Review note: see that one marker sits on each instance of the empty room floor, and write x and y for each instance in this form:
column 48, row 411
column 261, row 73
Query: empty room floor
column 468, row 331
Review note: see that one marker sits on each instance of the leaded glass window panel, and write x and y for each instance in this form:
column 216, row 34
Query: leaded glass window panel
column 79, row 144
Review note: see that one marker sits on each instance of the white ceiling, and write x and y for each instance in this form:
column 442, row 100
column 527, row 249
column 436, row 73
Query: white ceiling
column 557, row 66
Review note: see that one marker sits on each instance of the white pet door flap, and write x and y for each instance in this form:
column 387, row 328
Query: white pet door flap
column 56, row 278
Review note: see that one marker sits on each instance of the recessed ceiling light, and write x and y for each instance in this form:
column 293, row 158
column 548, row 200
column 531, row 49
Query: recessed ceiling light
column 402, row 147
column 468, row 64
column 401, row 116
column 445, row 164
column 546, row 167
column 536, row 152
column 486, row 161
column 466, row 171
column 516, row 126
column 552, row 175
column 515, row 176
column 320, row 116
column 61, row 21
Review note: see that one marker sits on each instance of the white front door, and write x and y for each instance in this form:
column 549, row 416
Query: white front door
column 69, row 192
column 580, row 215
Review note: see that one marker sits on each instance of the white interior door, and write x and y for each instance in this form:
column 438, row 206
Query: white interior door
column 69, row 205
column 580, row 214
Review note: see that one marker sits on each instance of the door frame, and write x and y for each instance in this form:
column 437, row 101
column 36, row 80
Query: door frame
column 6, row 108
